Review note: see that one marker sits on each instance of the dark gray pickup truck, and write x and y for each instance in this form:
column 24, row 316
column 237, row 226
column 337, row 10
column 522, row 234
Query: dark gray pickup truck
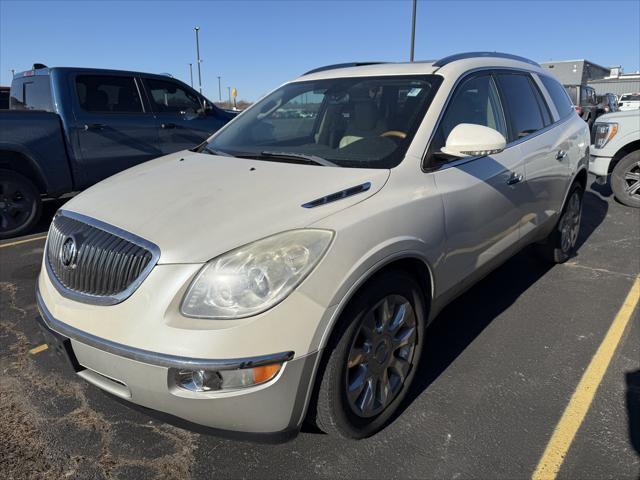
column 68, row 128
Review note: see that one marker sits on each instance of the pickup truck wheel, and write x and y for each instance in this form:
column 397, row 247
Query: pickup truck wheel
column 561, row 242
column 20, row 204
column 625, row 180
column 371, row 357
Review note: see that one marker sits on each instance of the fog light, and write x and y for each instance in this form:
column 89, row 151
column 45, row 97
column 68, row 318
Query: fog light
column 213, row 380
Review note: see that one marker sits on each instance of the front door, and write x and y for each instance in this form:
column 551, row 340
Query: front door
column 183, row 120
column 112, row 130
column 482, row 196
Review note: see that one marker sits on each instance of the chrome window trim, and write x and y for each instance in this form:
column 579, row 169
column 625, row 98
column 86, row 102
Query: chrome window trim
column 461, row 161
column 149, row 357
column 107, row 299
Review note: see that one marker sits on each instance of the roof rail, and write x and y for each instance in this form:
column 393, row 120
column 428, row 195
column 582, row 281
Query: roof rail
column 341, row 65
column 461, row 56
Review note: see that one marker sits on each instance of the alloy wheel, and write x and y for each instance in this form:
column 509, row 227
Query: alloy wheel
column 632, row 180
column 570, row 222
column 16, row 205
column 381, row 356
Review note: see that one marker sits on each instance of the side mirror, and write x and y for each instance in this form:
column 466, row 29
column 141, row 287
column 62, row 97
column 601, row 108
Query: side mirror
column 470, row 140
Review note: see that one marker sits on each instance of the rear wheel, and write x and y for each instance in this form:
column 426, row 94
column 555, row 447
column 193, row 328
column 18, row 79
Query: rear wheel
column 372, row 357
column 561, row 242
column 625, row 180
column 20, row 204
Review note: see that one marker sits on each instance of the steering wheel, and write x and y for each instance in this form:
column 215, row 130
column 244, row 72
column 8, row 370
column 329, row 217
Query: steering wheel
column 394, row 133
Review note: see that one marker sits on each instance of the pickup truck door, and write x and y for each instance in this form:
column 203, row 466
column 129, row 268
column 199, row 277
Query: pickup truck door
column 113, row 129
column 182, row 118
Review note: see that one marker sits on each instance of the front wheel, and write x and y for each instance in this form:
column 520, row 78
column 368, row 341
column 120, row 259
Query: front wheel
column 372, row 357
column 20, row 204
column 561, row 242
column 625, row 180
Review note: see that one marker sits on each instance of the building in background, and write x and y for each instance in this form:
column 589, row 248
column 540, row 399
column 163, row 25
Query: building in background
column 602, row 79
column 576, row 72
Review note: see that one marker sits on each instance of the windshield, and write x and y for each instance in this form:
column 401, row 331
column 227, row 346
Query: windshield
column 364, row 122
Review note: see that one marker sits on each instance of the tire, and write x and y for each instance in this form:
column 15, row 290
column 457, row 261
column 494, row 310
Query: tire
column 20, row 204
column 363, row 351
column 625, row 180
column 559, row 246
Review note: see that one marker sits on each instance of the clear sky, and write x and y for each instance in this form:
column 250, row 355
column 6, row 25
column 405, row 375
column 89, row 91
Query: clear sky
column 256, row 45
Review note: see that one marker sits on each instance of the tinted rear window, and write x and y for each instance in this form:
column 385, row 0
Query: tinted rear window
column 31, row 93
column 109, row 94
column 573, row 94
column 558, row 95
column 630, row 98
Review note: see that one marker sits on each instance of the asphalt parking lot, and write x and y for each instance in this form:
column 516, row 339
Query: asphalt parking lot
column 501, row 364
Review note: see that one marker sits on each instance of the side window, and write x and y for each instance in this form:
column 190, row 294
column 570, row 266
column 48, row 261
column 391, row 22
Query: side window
column 169, row 97
column 108, row 94
column 476, row 101
column 523, row 108
column 558, row 95
column 31, row 93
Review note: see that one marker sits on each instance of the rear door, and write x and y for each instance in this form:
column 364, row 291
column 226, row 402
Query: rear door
column 113, row 129
column 482, row 196
column 544, row 148
column 183, row 119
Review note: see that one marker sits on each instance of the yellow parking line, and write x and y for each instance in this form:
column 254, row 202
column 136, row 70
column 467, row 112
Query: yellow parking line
column 574, row 414
column 18, row 242
column 38, row 349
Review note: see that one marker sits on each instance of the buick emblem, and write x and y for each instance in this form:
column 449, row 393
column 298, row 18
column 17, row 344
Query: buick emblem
column 69, row 252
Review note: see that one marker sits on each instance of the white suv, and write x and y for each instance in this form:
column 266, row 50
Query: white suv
column 288, row 267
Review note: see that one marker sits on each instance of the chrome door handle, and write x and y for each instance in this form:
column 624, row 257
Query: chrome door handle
column 94, row 126
column 561, row 154
column 168, row 125
column 514, row 178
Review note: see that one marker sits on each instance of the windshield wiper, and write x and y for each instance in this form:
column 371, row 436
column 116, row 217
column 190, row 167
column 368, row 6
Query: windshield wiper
column 303, row 157
column 212, row 151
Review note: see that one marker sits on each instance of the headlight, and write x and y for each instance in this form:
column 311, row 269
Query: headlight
column 604, row 133
column 253, row 278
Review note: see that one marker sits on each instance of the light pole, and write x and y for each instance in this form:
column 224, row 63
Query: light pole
column 191, row 73
column 229, row 89
column 219, row 89
column 197, row 29
column 413, row 30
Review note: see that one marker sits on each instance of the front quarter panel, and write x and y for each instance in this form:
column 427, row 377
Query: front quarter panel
column 404, row 220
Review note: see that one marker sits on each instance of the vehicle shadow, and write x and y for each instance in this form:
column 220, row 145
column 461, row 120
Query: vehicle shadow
column 594, row 211
column 633, row 408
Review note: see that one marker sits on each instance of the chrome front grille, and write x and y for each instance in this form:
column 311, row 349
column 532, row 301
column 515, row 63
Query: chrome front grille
column 94, row 262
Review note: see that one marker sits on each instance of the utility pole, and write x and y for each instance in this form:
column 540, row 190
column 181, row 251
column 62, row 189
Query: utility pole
column 413, row 30
column 197, row 29
column 191, row 73
column 219, row 90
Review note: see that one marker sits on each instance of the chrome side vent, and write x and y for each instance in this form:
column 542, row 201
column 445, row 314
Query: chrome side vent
column 333, row 197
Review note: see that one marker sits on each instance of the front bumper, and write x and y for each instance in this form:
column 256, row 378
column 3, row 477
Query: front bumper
column 142, row 377
column 599, row 166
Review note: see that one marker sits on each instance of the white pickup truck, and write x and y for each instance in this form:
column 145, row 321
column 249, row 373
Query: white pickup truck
column 615, row 151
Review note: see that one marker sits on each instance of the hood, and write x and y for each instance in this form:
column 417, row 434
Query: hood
column 196, row 206
column 618, row 116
